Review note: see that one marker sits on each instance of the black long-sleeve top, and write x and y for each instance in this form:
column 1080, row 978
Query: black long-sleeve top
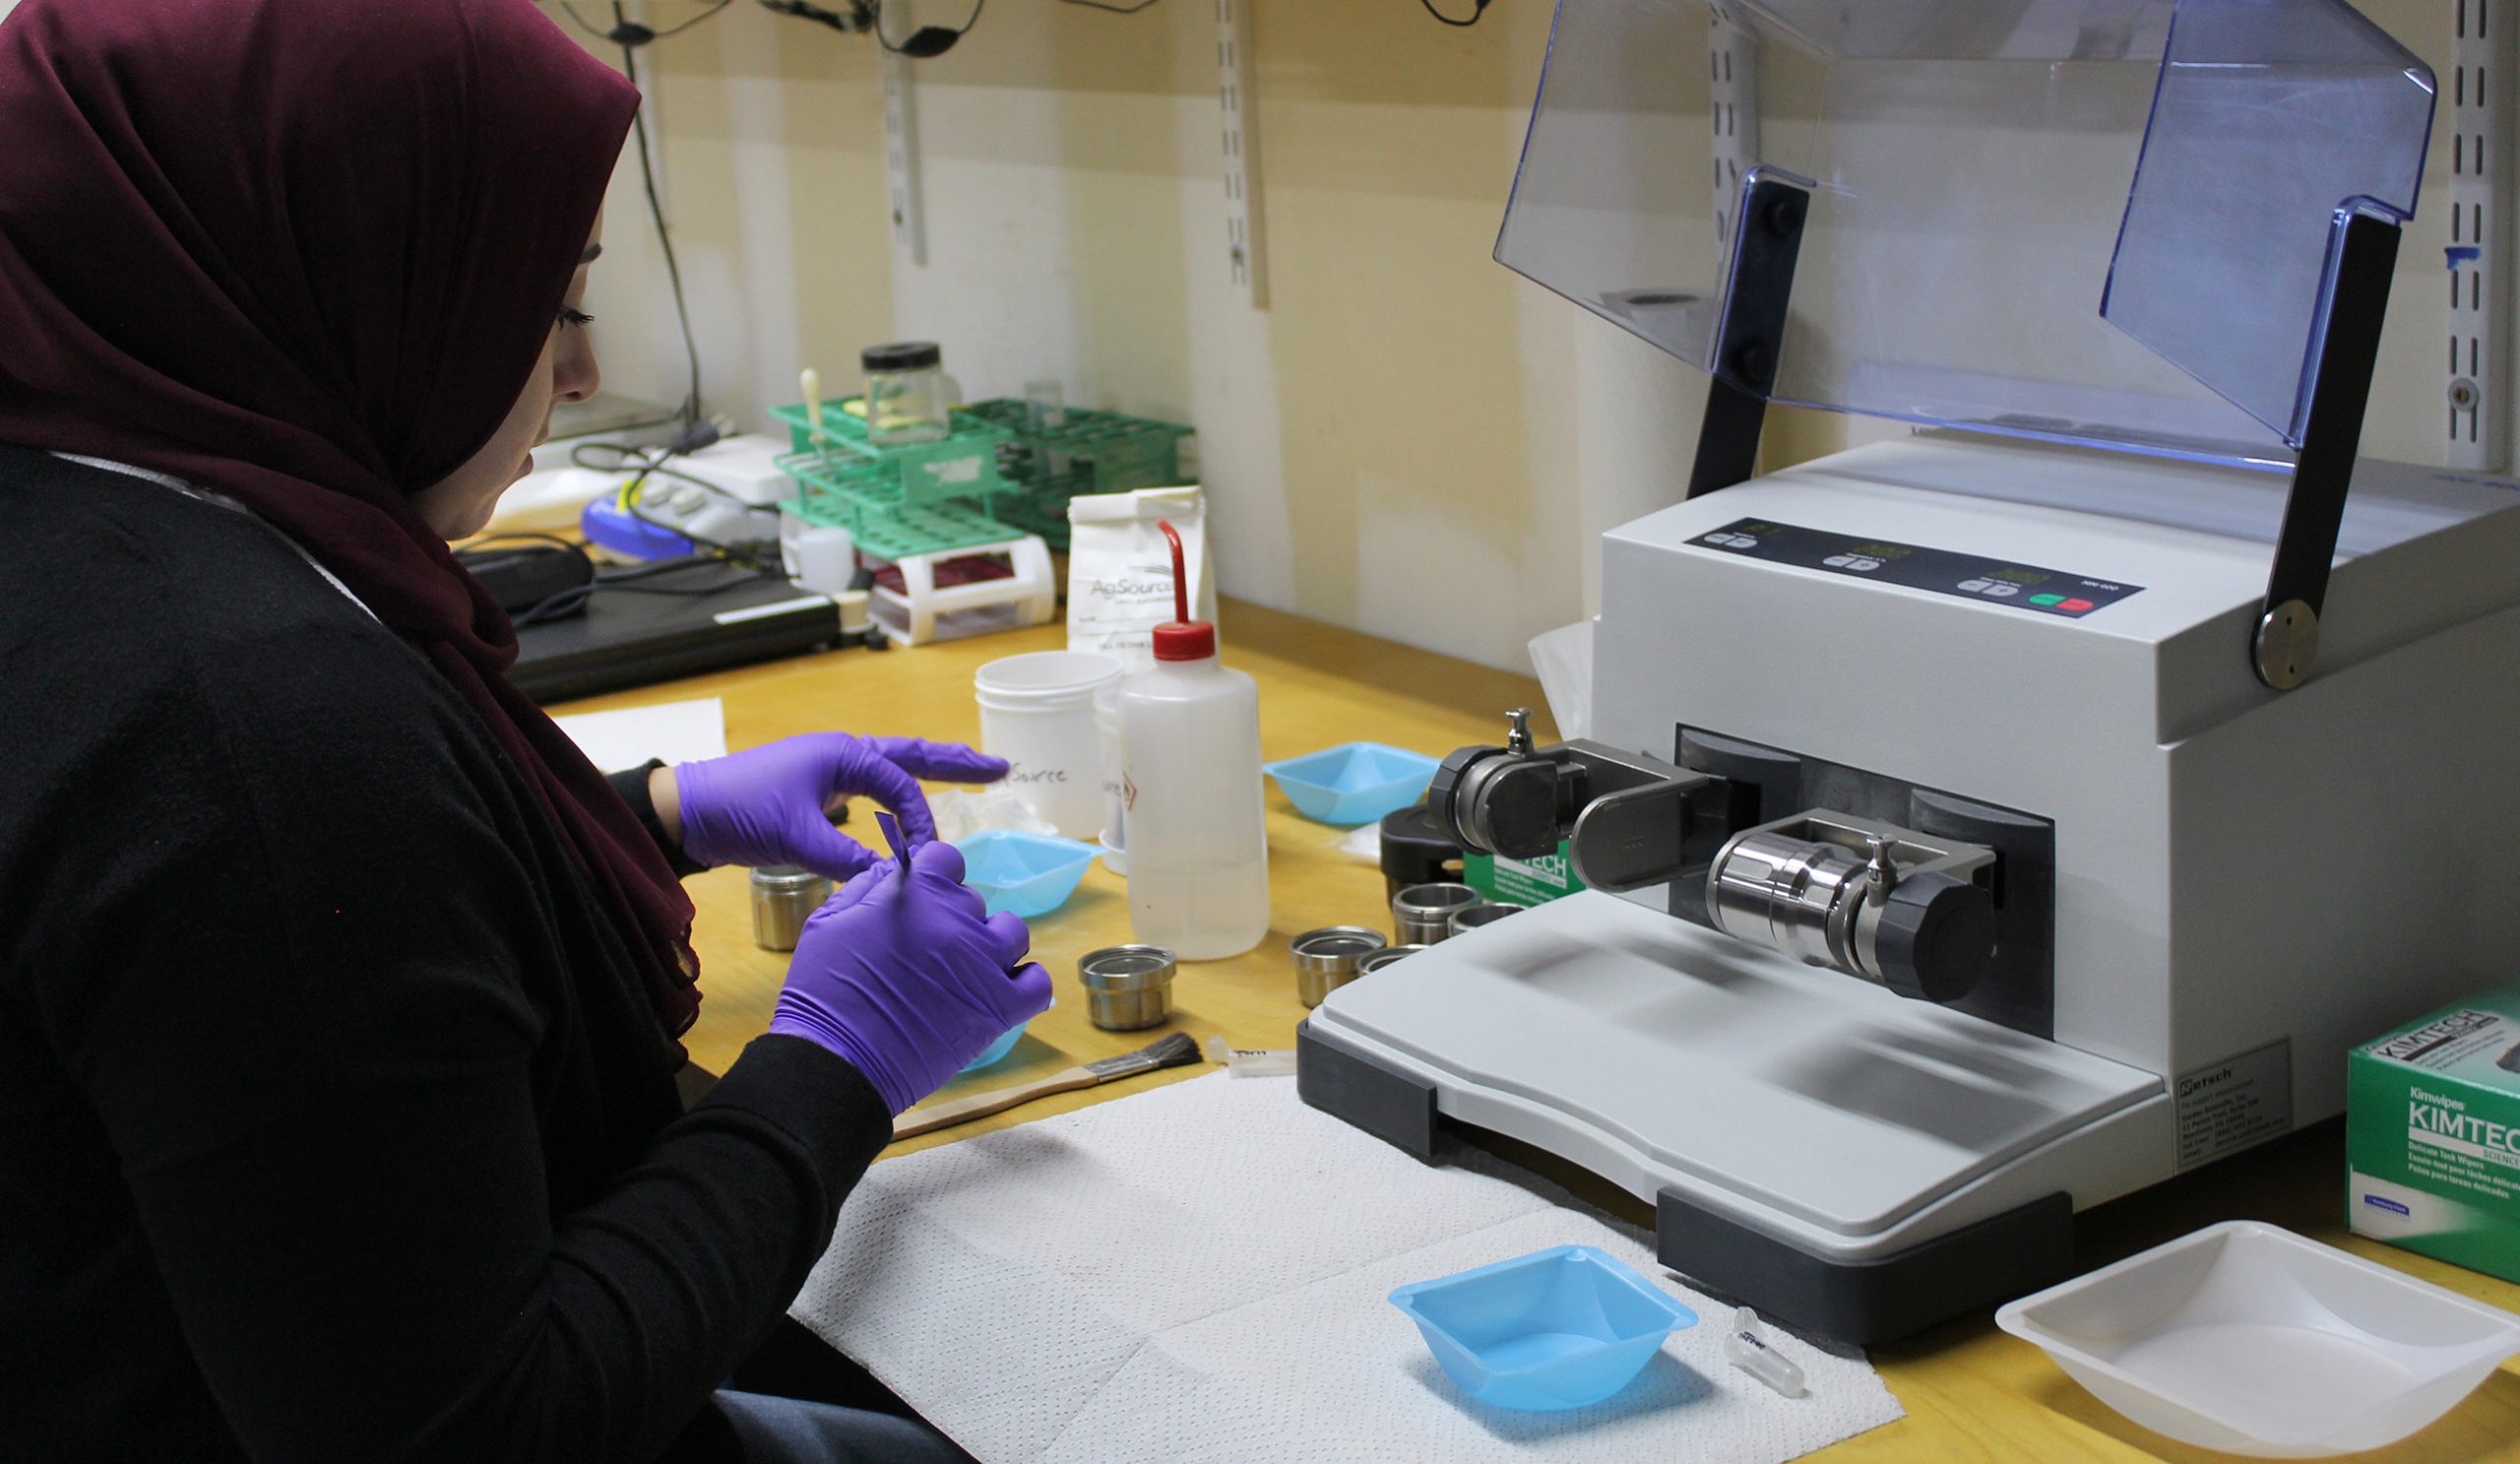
column 335, row 1124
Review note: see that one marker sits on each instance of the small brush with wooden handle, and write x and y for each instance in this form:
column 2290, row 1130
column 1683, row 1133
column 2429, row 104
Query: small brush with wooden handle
column 1171, row 1051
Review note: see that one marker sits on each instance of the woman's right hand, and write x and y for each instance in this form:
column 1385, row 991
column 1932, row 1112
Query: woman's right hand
column 905, row 975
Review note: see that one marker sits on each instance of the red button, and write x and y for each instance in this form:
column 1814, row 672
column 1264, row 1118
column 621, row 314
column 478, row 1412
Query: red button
column 2075, row 604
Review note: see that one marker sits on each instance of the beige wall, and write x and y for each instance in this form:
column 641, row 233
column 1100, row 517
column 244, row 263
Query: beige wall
column 1409, row 438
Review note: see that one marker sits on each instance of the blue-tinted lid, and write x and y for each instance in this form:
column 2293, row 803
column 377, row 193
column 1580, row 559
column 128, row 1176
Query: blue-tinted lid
column 2096, row 221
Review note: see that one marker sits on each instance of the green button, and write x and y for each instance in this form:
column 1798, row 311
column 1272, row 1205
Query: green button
column 2046, row 599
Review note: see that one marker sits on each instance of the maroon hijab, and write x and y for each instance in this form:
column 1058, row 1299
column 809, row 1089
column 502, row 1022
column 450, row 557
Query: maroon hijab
column 306, row 253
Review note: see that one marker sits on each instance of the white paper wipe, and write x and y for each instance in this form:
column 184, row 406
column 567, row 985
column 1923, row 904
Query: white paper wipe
column 676, row 732
column 1198, row 1273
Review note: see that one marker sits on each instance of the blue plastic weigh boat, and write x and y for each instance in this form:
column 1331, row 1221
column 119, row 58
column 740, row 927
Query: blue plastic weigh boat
column 998, row 1049
column 1557, row 1328
column 1021, row 873
column 1354, row 782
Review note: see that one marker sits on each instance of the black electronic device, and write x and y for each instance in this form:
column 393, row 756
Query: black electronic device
column 521, row 574
column 632, row 638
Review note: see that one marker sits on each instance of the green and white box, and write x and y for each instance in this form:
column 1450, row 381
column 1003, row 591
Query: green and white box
column 2432, row 1134
column 1522, row 881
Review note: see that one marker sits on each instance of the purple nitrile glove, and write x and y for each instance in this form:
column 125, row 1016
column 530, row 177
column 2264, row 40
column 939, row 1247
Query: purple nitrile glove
column 765, row 806
column 903, row 975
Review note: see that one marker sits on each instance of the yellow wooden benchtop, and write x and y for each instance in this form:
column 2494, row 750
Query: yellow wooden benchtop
column 1970, row 1393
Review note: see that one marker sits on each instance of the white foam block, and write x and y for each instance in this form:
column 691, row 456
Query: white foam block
column 1199, row 1272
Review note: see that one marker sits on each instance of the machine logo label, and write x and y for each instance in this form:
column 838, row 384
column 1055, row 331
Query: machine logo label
column 2440, row 1123
column 2407, row 1047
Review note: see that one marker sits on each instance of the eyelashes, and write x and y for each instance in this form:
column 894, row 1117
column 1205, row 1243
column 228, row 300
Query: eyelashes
column 571, row 315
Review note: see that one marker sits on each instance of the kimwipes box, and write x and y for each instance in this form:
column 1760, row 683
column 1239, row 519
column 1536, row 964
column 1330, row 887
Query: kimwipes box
column 2432, row 1134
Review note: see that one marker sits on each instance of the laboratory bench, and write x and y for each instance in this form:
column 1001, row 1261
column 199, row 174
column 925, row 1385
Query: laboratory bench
column 1970, row 1392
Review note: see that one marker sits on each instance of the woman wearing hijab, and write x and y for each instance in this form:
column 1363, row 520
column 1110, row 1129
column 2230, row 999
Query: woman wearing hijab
column 337, row 992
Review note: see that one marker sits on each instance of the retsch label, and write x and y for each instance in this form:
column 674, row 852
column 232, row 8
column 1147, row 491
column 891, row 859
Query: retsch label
column 2224, row 1107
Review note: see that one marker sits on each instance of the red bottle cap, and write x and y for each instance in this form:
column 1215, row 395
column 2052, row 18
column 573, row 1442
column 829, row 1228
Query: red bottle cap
column 1181, row 638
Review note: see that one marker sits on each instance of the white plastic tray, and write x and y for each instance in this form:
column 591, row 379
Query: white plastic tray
column 2250, row 1339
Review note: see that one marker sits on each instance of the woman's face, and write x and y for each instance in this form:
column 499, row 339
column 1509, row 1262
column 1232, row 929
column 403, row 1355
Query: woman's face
column 458, row 505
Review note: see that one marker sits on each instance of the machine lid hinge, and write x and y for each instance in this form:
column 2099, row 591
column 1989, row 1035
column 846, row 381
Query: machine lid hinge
column 1750, row 342
column 2283, row 644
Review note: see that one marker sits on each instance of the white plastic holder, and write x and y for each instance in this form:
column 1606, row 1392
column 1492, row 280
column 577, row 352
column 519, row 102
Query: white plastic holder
column 922, row 612
column 819, row 557
column 2247, row 1338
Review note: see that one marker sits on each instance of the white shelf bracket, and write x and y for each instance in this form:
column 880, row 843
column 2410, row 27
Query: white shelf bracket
column 901, row 161
column 1733, row 93
column 1245, row 261
column 2478, row 250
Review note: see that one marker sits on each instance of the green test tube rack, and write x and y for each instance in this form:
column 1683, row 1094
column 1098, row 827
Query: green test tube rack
column 895, row 502
column 1090, row 451
column 994, row 478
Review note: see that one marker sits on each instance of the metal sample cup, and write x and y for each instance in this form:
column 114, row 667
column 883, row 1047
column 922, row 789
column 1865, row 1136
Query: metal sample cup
column 1326, row 959
column 782, row 895
column 1422, row 914
column 1368, row 965
column 1471, row 916
column 1126, row 987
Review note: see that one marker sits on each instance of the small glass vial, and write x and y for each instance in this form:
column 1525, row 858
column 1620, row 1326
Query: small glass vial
column 1044, row 405
column 906, row 394
column 1045, row 411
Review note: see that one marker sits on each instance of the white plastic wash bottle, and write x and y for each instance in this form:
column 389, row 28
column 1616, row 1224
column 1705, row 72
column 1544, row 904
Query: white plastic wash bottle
column 1190, row 774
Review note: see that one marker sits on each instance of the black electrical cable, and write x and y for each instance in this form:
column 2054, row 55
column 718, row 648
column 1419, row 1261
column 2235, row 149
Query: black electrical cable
column 1113, row 9
column 630, row 32
column 580, row 21
column 1477, row 8
column 489, row 543
column 736, row 556
column 709, row 14
column 642, row 467
column 743, row 568
column 627, row 580
column 691, row 409
column 622, row 581
column 928, row 41
column 860, row 15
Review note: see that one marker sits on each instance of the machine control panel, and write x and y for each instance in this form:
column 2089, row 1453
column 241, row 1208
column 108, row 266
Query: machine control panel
column 2048, row 592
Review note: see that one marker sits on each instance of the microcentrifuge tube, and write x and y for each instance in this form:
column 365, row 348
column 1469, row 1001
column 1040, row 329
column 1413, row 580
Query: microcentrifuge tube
column 1747, row 1345
column 1251, row 1063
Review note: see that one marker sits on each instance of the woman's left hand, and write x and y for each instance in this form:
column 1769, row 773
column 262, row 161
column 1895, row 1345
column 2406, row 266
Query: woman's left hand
column 766, row 805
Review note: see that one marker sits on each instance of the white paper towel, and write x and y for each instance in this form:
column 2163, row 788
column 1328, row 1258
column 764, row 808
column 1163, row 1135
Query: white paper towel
column 1199, row 1273
column 676, row 732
